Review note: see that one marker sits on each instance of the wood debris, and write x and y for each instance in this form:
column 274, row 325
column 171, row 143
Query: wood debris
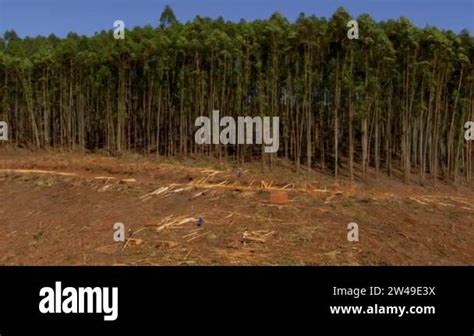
column 198, row 236
column 259, row 236
column 166, row 243
column 166, row 190
column 157, row 192
column 36, row 171
column 104, row 178
column 170, row 222
column 134, row 241
column 130, row 180
column 105, row 187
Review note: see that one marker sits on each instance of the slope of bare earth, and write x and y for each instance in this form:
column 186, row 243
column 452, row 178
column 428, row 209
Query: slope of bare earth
column 60, row 209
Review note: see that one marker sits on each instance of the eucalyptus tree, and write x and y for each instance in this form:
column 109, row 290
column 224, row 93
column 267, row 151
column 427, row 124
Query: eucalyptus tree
column 396, row 99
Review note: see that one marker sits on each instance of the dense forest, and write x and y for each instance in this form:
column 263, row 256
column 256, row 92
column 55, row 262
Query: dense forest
column 395, row 99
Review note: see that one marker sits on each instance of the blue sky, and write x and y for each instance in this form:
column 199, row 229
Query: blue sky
column 42, row 17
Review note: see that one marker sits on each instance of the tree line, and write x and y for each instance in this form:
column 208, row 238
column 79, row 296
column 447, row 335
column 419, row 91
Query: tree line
column 395, row 99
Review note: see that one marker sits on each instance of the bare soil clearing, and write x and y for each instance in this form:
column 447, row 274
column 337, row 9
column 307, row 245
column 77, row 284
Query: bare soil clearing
column 59, row 209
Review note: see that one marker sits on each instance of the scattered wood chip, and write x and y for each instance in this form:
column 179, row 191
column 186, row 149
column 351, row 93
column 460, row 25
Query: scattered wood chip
column 259, row 236
column 104, row 188
column 130, row 180
column 182, row 189
column 104, row 178
column 199, row 194
column 166, row 243
column 33, row 171
column 198, row 236
column 134, row 241
column 169, row 222
column 159, row 191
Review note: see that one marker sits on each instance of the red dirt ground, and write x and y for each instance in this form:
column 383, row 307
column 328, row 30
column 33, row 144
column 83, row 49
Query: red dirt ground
column 252, row 216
